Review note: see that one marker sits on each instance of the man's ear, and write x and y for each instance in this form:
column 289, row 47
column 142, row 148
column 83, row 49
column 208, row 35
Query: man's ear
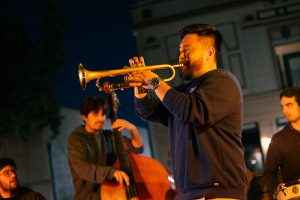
column 84, row 117
column 211, row 51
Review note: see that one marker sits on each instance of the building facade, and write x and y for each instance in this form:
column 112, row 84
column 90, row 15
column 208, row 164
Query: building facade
column 261, row 47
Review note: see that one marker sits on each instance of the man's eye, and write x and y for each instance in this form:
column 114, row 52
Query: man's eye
column 8, row 173
column 186, row 52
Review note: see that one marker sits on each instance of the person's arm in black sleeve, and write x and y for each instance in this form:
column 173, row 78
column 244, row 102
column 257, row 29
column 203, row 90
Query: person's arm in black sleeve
column 213, row 101
column 150, row 108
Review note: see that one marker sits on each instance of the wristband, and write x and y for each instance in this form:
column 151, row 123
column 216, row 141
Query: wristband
column 154, row 83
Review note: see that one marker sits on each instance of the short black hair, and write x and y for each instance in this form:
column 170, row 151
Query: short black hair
column 7, row 161
column 208, row 30
column 291, row 92
column 93, row 104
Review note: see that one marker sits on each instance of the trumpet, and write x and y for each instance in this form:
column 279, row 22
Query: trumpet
column 86, row 76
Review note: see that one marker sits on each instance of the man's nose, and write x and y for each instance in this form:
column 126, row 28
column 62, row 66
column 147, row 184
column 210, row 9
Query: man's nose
column 13, row 174
column 284, row 110
column 181, row 57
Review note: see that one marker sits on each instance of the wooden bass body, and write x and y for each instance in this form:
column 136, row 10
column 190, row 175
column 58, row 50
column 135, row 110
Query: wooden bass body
column 151, row 179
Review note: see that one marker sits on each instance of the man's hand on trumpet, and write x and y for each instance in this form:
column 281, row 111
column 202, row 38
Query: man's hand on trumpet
column 141, row 78
column 146, row 79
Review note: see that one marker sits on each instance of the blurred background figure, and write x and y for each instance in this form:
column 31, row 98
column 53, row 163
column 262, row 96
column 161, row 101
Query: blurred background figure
column 282, row 162
column 9, row 184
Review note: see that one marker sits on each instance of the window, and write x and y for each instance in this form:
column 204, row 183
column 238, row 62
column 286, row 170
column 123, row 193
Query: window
column 147, row 14
column 253, row 151
column 288, row 61
column 292, row 68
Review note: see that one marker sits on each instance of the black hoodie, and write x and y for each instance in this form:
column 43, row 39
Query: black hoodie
column 204, row 118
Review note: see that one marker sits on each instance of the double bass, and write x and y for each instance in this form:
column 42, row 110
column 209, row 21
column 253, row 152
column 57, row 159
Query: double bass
column 148, row 177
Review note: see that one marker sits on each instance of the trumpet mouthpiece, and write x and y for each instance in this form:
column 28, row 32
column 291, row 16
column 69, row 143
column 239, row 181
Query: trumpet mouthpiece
column 178, row 65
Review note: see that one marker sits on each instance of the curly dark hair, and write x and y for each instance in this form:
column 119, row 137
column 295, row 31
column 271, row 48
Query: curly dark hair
column 7, row 161
column 93, row 104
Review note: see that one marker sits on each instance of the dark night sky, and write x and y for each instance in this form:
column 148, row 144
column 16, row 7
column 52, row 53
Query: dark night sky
column 99, row 35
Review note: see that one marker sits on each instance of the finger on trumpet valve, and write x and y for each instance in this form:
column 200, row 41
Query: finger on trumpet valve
column 135, row 60
column 142, row 61
column 139, row 64
column 131, row 62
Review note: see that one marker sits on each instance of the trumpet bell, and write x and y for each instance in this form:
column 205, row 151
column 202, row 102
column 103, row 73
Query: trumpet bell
column 81, row 76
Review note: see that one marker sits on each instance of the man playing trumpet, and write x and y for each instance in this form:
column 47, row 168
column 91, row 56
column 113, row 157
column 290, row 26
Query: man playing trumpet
column 204, row 117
